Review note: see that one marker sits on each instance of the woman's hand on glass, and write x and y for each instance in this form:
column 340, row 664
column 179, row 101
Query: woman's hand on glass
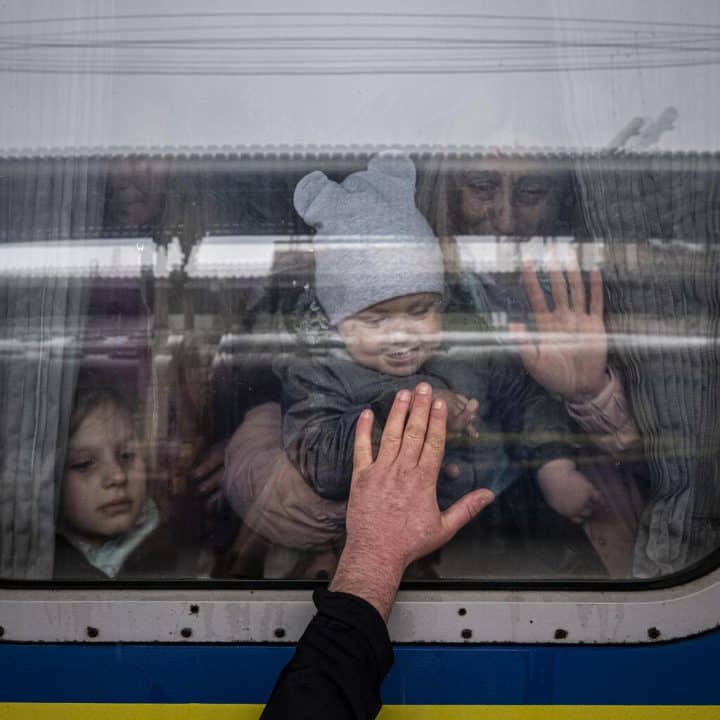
column 568, row 352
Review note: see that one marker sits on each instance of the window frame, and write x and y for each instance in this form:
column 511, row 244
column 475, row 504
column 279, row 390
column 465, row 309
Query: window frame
column 608, row 613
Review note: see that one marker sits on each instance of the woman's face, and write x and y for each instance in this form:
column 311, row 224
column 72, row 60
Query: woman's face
column 136, row 194
column 503, row 203
column 104, row 487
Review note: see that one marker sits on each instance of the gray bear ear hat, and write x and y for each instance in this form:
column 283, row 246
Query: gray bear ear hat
column 372, row 244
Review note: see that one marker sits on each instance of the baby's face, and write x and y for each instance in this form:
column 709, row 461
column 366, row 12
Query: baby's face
column 104, row 487
column 394, row 337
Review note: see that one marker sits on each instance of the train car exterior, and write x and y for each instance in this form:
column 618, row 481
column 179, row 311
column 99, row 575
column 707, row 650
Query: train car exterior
column 151, row 254
column 216, row 654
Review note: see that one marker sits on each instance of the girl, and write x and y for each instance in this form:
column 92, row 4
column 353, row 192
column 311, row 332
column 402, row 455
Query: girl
column 108, row 526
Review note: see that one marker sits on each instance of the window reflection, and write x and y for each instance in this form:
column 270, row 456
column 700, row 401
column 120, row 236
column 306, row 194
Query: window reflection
column 157, row 337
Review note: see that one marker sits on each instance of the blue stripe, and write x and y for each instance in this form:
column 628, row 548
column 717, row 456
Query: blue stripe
column 669, row 674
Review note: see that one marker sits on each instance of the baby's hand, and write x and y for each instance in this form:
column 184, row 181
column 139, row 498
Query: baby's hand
column 461, row 412
column 568, row 491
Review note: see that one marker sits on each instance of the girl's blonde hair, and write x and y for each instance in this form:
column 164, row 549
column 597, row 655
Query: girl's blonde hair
column 93, row 392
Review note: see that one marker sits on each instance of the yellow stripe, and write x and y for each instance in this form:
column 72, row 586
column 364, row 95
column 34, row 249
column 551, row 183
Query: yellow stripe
column 550, row 712
column 121, row 711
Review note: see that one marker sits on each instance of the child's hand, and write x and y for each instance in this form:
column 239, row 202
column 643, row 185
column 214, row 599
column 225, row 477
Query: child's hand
column 461, row 412
column 568, row 491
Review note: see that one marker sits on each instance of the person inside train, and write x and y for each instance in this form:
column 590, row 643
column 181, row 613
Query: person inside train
column 108, row 527
column 278, row 507
column 385, row 301
column 506, row 200
column 511, row 202
column 517, row 200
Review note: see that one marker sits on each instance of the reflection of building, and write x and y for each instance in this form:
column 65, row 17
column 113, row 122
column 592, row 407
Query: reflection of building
column 103, row 258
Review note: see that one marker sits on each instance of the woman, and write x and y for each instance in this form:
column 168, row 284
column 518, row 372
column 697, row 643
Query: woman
column 512, row 201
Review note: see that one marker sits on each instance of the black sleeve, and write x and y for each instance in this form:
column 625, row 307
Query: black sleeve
column 338, row 666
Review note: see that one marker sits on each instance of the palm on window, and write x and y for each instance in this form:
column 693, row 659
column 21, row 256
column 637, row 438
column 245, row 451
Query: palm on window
column 568, row 354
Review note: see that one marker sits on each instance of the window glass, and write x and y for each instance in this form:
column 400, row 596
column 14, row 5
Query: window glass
column 190, row 333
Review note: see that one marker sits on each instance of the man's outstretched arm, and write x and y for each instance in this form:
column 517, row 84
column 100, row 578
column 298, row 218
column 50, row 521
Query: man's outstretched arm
column 392, row 519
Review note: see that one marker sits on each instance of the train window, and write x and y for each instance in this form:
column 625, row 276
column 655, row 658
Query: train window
column 175, row 342
column 189, row 334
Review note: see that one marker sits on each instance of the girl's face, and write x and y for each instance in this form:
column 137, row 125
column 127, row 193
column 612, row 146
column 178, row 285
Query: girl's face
column 104, row 488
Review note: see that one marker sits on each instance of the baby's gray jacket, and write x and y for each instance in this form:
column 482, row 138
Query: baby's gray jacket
column 521, row 426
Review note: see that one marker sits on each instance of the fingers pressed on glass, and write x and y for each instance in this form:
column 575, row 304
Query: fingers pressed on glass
column 433, row 448
column 535, row 294
column 558, row 285
column 596, row 294
column 577, row 286
column 362, row 456
column 417, row 424
column 392, row 436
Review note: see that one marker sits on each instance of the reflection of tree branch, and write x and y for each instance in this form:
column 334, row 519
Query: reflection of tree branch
column 642, row 133
column 653, row 131
column 630, row 130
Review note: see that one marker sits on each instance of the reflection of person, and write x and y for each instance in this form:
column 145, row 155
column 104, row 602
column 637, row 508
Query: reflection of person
column 108, row 526
column 488, row 201
column 393, row 518
column 146, row 196
column 136, row 194
column 385, row 302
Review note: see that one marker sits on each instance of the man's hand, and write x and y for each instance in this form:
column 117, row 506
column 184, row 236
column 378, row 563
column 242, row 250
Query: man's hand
column 393, row 516
column 569, row 354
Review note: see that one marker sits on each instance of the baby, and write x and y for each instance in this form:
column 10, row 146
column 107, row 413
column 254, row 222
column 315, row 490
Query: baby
column 379, row 279
column 108, row 526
